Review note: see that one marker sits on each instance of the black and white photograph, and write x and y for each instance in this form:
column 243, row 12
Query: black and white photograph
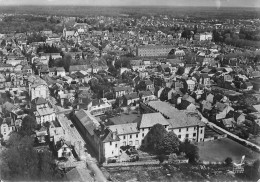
column 130, row 90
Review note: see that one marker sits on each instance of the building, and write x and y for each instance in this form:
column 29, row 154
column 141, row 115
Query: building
column 203, row 36
column 120, row 91
column 99, row 106
column 186, row 125
column 154, row 51
column 7, row 127
column 37, row 87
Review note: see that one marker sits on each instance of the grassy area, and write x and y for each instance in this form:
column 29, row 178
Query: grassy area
column 219, row 150
column 181, row 172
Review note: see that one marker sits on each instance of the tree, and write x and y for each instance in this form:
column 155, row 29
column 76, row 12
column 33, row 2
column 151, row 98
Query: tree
column 20, row 161
column 180, row 71
column 252, row 171
column 164, row 94
column 3, row 43
column 169, row 144
column 191, row 151
column 141, row 86
column 67, row 61
column 228, row 161
column 29, row 125
column 154, row 136
column 51, row 62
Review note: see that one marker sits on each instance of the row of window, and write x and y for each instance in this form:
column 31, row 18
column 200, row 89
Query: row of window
column 187, row 135
column 124, row 143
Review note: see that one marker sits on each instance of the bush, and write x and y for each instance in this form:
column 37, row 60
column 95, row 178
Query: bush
column 161, row 158
column 228, row 161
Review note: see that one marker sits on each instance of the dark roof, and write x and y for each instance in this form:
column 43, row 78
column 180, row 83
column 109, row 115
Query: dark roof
column 39, row 101
column 88, row 122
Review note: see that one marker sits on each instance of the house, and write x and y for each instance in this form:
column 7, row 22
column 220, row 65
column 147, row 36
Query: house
column 37, row 87
column 7, row 127
column 147, row 96
column 99, row 106
column 187, row 105
column 131, row 98
column 228, row 123
column 60, row 71
column 27, row 69
column 149, row 85
column 52, row 72
column 44, row 114
column 239, row 118
column 120, row 91
column 190, row 84
column 246, row 85
column 222, row 110
column 41, row 135
column 76, row 68
column 63, row 149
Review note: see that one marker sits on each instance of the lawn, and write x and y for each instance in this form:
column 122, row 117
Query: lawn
column 219, row 150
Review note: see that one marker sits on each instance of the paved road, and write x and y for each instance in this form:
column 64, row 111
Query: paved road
column 72, row 134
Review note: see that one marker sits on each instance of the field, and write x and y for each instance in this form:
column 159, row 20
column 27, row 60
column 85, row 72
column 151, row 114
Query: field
column 177, row 12
column 219, row 150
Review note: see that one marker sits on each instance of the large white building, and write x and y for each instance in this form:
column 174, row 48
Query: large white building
column 203, row 36
column 107, row 140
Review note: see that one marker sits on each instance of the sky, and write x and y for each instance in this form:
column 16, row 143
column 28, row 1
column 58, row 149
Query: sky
column 214, row 3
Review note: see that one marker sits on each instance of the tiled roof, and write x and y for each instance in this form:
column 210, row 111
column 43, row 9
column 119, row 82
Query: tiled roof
column 164, row 108
column 150, row 119
column 182, row 120
column 44, row 111
column 88, row 121
column 124, row 129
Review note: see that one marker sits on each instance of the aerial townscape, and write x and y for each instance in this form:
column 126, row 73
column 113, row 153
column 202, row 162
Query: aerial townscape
column 130, row 93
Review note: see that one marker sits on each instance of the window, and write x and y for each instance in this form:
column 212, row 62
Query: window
column 124, row 143
column 143, row 134
column 130, row 136
column 201, row 131
column 136, row 135
column 187, row 129
column 143, row 129
column 194, row 134
column 180, row 130
column 195, row 128
column 124, row 137
column 130, row 143
column 110, row 143
column 187, row 135
column 165, row 126
column 179, row 136
column 116, row 145
column 112, row 152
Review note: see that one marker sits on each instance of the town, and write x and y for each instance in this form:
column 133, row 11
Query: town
column 129, row 97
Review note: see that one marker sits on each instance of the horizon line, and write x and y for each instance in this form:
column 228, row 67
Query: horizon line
column 170, row 6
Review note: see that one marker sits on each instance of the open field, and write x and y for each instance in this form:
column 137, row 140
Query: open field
column 219, row 150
